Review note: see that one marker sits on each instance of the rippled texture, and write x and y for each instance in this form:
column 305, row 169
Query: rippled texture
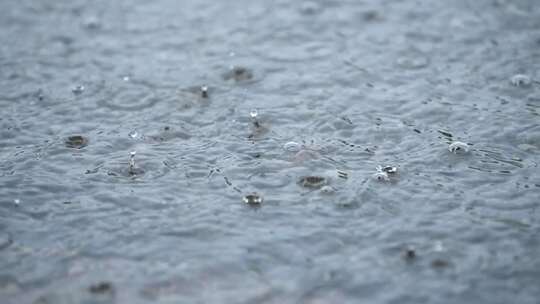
column 355, row 84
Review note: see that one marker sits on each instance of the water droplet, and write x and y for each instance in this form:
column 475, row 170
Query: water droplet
column 315, row 182
column 17, row 202
column 92, row 23
column 76, row 142
column 102, row 288
column 458, row 147
column 409, row 253
column 253, row 199
column 78, row 90
column 204, row 91
column 292, row 146
column 310, row 8
column 520, row 80
column 132, row 162
column 328, row 190
column 413, row 62
column 238, row 74
column 438, row 246
column 134, row 134
column 380, row 176
column 388, row 169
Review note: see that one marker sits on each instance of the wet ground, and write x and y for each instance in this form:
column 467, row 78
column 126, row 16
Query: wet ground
column 258, row 129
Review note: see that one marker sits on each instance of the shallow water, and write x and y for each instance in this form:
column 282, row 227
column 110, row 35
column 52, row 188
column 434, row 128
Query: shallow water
column 340, row 88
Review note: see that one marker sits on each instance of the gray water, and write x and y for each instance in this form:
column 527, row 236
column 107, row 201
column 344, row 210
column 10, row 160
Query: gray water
column 340, row 87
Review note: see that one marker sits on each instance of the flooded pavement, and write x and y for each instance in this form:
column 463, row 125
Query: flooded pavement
column 395, row 143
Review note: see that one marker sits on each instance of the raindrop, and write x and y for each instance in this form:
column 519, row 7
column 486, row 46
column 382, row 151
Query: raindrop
column 409, row 253
column 413, row 62
column 314, row 182
column 5, row 240
column 388, row 169
column 134, row 134
column 292, row 146
column 78, row 90
column 132, row 170
column 380, row 176
column 520, row 80
column 76, row 142
column 310, row 8
column 253, row 199
column 101, row 288
column 253, row 114
column 238, row 74
column 92, row 23
column 204, row 91
column 458, row 147
column 328, row 190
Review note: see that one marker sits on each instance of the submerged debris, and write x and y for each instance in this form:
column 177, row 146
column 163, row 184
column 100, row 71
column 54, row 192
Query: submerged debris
column 458, row 147
column 253, row 199
column 313, row 181
column 76, row 142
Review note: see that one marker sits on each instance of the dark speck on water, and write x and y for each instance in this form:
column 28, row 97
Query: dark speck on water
column 286, row 151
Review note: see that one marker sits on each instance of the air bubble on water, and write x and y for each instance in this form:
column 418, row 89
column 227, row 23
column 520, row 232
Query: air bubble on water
column 292, row 146
column 253, row 199
column 134, row 134
column 78, row 89
column 458, row 147
column 520, row 80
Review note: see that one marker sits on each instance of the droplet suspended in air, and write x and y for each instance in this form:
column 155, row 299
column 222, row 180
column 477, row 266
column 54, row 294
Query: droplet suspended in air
column 204, row 91
column 134, row 134
column 520, row 80
column 132, row 162
column 458, row 147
